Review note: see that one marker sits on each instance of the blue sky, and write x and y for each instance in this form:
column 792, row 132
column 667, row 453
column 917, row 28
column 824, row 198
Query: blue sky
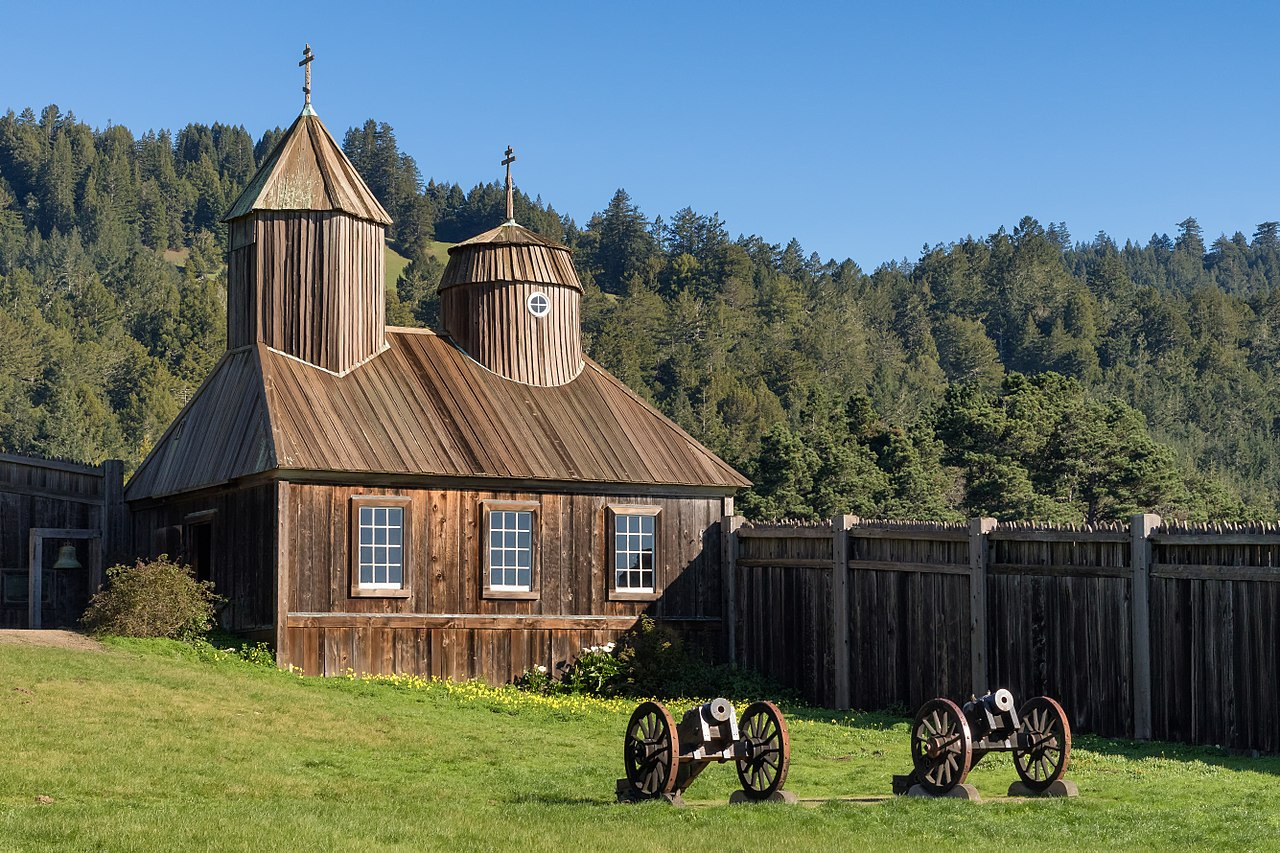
column 864, row 130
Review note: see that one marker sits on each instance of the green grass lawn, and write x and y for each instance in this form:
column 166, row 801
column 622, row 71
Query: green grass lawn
column 147, row 746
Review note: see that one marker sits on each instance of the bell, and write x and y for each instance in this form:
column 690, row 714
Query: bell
column 67, row 558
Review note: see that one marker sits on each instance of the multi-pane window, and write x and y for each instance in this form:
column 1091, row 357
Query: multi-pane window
column 633, row 552
column 511, row 550
column 381, row 543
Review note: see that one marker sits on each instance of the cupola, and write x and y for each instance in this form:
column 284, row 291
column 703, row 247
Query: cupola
column 306, row 270
column 510, row 299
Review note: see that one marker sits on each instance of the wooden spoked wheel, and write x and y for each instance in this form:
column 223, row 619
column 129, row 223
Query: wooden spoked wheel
column 763, row 731
column 652, row 750
column 1044, row 738
column 941, row 746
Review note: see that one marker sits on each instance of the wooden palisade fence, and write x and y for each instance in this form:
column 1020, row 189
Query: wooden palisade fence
column 1143, row 630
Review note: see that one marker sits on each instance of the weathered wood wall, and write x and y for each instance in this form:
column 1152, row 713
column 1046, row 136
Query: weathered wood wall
column 242, row 539
column 46, row 493
column 446, row 626
column 492, row 323
column 1139, row 630
column 308, row 284
column 1215, row 636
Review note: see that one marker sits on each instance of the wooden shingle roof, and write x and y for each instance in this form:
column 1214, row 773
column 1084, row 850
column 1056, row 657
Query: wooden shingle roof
column 308, row 171
column 422, row 407
column 507, row 253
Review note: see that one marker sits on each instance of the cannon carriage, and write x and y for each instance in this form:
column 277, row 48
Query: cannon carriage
column 663, row 758
column 947, row 740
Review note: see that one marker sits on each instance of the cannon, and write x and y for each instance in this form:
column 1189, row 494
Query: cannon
column 948, row 740
column 663, row 759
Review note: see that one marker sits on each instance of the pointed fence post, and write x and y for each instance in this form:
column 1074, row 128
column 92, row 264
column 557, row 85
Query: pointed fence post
column 979, row 555
column 840, row 683
column 1140, row 528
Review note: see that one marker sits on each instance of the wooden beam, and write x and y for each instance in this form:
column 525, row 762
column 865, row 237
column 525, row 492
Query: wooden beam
column 283, row 570
column 1216, row 538
column 782, row 532
column 513, row 622
column 923, row 568
column 941, row 534
column 841, row 686
column 979, row 553
column 783, row 563
column 1013, row 534
column 1189, row 571
column 1140, row 529
column 1059, row 570
column 730, row 528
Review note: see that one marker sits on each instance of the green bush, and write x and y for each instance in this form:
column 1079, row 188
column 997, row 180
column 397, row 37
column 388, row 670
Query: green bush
column 651, row 661
column 156, row 599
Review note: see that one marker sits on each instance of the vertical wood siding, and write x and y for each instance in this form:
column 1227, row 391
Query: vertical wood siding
column 492, row 323
column 243, row 547
column 1059, row 621
column 445, row 580
column 310, row 284
column 43, row 493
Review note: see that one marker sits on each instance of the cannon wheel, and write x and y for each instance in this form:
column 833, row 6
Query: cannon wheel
column 1045, row 724
column 651, row 750
column 941, row 746
column 764, row 731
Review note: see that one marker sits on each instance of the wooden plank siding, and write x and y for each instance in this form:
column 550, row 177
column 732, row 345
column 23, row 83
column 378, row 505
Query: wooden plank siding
column 242, row 543
column 1058, row 628
column 493, row 325
column 446, row 626
column 909, row 635
column 1059, row 620
column 1215, row 638
column 308, row 284
column 50, row 494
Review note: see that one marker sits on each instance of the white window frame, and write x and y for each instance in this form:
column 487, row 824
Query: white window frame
column 544, row 307
column 372, row 504
column 615, row 514
column 506, row 590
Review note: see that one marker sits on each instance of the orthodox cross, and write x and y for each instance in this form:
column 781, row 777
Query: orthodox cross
column 511, row 158
column 307, row 57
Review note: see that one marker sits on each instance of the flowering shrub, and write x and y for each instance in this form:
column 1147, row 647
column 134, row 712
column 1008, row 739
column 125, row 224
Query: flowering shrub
column 597, row 671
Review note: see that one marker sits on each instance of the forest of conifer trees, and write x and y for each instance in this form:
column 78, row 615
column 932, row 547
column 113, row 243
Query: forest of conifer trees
column 1020, row 374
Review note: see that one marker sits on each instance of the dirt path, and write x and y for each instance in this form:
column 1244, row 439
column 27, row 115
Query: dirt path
column 56, row 639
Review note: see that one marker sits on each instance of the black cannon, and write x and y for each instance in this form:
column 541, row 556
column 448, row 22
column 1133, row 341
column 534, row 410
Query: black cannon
column 663, row 758
column 947, row 741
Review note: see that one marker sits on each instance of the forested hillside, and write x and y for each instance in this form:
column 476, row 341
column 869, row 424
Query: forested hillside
column 1020, row 374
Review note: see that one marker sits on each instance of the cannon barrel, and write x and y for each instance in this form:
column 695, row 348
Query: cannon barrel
column 717, row 711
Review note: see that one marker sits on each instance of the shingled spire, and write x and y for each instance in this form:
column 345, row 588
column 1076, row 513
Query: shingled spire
column 306, row 267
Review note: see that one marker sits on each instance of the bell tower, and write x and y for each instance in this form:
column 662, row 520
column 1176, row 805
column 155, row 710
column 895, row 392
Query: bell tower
column 305, row 274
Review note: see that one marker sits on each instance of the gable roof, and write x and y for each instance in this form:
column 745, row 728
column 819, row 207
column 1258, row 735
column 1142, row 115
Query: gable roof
column 422, row 407
column 308, row 171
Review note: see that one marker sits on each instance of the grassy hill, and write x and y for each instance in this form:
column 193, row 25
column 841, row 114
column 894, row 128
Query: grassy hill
column 396, row 262
column 147, row 745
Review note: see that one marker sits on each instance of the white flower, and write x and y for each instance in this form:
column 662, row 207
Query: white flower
column 542, row 669
column 609, row 647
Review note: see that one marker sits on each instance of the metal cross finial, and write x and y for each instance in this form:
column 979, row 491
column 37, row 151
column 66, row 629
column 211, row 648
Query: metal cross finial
column 511, row 158
column 307, row 58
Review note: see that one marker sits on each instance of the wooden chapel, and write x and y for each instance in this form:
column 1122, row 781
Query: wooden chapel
column 468, row 503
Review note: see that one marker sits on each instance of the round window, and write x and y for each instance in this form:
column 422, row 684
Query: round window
column 539, row 305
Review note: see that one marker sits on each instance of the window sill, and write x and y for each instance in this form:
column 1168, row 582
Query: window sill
column 515, row 594
column 360, row 592
column 626, row 595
